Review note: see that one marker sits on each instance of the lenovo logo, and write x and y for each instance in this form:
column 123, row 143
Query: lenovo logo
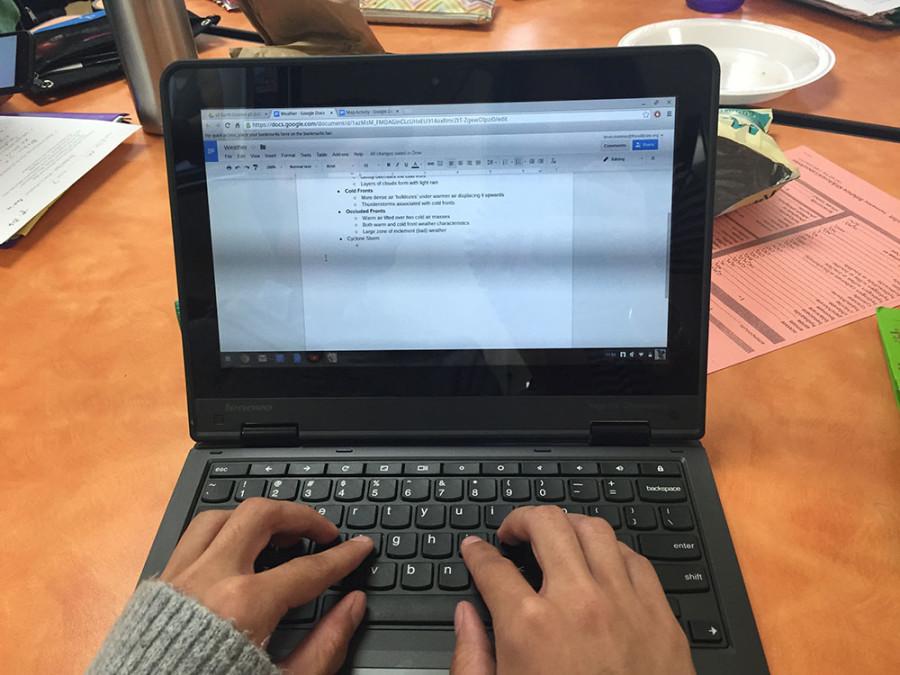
column 247, row 407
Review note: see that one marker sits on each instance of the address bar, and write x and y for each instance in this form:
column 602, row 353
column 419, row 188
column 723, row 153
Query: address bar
column 447, row 120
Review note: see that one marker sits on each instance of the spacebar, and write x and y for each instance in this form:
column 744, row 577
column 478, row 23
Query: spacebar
column 418, row 610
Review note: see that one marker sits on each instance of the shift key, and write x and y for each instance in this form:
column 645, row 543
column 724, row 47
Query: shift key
column 683, row 578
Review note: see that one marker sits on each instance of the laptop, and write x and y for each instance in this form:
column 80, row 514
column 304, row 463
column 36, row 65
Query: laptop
column 417, row 292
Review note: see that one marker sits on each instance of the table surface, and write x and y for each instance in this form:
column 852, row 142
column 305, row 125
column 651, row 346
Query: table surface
column 804, row 442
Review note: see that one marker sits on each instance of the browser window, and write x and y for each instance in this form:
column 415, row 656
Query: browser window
column 540, row 225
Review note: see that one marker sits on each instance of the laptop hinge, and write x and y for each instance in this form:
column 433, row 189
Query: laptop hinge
column 620, row 433
column 270, row 434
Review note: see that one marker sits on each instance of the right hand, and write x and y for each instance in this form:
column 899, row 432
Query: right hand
column 601, row 609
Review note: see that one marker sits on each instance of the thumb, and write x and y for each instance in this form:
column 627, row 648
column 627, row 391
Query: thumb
column 473, row 655
column 325, row 648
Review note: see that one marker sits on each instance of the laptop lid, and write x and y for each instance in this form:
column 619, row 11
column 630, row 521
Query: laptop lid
column 499, row 246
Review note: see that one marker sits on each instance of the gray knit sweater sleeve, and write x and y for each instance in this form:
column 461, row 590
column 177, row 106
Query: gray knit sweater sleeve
column 163, row 631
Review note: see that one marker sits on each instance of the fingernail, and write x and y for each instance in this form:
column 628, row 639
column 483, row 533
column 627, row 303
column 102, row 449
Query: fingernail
column 459, row 618
column 471, row 538
column 360, row 537
column 358, row 608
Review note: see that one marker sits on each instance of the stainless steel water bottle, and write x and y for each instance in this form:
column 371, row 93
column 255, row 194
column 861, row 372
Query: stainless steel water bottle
column 149, row 34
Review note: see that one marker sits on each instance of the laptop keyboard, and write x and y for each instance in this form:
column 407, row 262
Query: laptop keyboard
column 418, row 513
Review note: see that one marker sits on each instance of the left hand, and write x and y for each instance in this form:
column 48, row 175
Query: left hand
column 213, row 563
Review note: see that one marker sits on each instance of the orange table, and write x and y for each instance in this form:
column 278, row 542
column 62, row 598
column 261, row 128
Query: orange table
column 804, row 442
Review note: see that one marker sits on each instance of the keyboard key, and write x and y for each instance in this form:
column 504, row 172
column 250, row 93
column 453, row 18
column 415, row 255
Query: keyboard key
column 453, row 577
column 217, row 491
column 571, row 508
column 448, row 489
column 315, row 490
column 401, row 545
column 661, row 490
column 376, row 543
column 609, row 513
column 494, row 515
column 463, row 535
column 333, row 512
column 682, row 578
column 583, row 490
column 417, row 576
column 384, row 469
column 515, row 489
column 462, row 468
column 414, row 610
column 349, row 489
column 249, row 487
column 640, row 517
column 381, row 576
column 430, row 517
column 268, row 468
column 549, row 490
column 540, row 468
column 271, row 556
column 382, row 490
column 670, row 546
column 362, row 517
column 318, row 548
column 482, row 489
column 396, row 517
column 345, row 469
column 437, row 545
column 500, row 469
column 228, row 469
column 617, row 490
column 705, row 631
column 414, row 490
column 306, row 469
column 626, row 539
column 465, row 516
column 523, row 558
column 619, row 468
column 302, row 614
column 422, row 469
column 676, row 517
column 284, row 489
column 579, row 468
column 660, row 469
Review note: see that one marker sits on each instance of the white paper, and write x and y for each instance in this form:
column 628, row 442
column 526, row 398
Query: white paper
column 41, row 158
column 867, row 7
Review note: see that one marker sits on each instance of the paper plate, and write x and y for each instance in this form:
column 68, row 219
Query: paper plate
column 759, row 61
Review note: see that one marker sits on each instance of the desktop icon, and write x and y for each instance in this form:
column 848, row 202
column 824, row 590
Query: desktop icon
column 297, row 357
column 245, row 359
column 279, row 358
column 331, row 357
column 314, row 357
column 262, row 358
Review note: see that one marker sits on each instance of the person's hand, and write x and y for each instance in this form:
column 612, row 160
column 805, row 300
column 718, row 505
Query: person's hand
column 213, row 563
column 601, row 609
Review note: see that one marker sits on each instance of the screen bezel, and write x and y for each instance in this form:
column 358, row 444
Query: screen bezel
column 670, row 395
column 24, row 69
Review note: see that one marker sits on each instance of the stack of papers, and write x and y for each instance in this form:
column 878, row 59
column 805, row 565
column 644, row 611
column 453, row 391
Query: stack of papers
column 42, row 157
column 879, row 12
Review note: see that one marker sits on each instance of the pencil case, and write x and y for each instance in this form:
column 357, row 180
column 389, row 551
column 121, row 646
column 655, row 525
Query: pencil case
column 434, row 12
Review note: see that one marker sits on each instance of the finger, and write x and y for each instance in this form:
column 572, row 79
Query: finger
column 195, row 540
column 501, row 585
column 601, row 550
column 325, row 649
column 254, row 522
column 644, row 579
column 553, row 541
column 473, row 654
column 303, row 579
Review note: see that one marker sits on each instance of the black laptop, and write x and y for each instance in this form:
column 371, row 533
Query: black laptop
column 417, row 292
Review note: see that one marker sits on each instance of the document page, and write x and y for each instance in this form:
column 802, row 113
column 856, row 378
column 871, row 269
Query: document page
column 821, row 253
column 41, row 158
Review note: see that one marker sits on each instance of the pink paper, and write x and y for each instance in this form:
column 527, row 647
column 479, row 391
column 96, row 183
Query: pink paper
column 821, row 253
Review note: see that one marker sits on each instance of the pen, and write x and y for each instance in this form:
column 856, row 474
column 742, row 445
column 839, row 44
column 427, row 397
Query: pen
column 835, row 125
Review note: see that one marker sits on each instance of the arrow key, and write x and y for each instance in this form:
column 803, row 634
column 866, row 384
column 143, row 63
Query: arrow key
column 268, row 469
column 307, row 469
column 705, row 631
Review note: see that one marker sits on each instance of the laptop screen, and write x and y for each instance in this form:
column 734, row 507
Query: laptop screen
column 401, row 234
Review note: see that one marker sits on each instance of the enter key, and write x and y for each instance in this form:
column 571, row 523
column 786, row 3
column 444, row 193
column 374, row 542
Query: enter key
column 670, row 546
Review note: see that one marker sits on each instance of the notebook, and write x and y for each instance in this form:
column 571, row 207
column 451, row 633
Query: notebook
column 418, row 292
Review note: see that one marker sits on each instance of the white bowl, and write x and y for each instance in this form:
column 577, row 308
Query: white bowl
column 759, row 61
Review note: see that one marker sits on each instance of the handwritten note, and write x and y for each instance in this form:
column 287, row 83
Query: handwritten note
column 40, row 158
column 821, row 253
